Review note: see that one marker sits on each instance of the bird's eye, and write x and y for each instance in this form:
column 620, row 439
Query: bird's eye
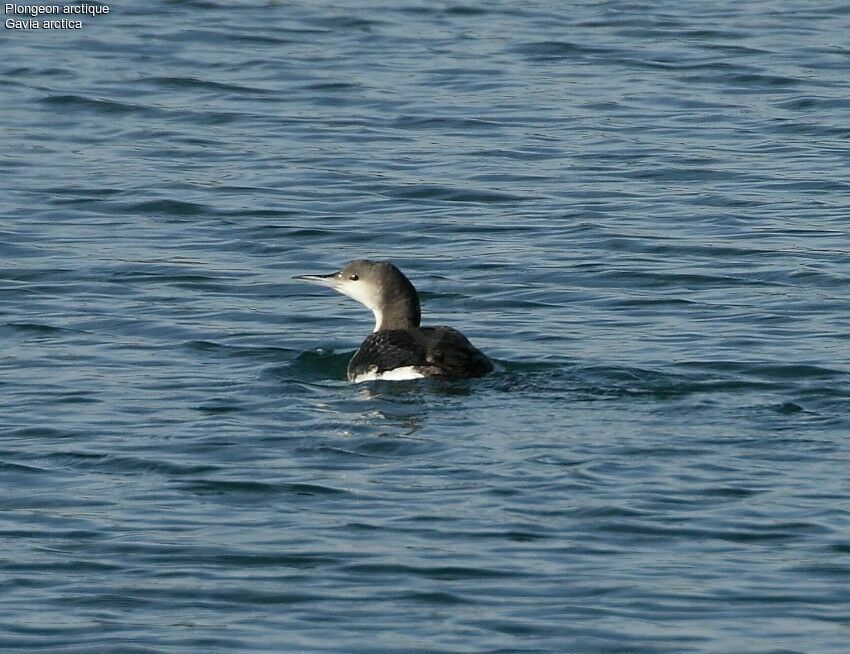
column 353, row 278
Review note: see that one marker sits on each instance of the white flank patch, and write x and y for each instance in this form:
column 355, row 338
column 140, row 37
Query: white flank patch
column 396, row 374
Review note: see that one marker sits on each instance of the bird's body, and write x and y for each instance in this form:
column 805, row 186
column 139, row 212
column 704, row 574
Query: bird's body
column 399, row 348
column 417, row 352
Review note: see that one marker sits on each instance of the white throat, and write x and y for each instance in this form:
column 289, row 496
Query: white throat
column 367, row 296
column 378, row 319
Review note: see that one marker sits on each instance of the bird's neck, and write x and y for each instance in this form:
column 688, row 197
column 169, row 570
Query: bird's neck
column 401, row 314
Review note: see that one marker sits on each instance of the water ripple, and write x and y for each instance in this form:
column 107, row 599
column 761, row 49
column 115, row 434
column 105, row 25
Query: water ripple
column 637, row 210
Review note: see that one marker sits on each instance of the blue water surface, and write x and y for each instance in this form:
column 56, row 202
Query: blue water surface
column 639, row 209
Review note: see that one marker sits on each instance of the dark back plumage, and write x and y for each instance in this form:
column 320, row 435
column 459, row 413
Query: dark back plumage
column 432, row 351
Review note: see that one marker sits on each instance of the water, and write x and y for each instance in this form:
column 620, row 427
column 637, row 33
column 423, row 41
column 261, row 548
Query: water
column 639, row 210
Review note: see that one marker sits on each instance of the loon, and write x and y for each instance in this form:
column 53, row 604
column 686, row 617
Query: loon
column 399, row 348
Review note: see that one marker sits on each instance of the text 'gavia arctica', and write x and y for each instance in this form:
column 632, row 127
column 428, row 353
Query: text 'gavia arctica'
column 399, row 348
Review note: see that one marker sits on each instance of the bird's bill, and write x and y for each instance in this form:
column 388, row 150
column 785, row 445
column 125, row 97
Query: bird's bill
column 322, row 280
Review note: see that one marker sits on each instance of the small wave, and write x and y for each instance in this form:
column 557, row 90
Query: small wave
column 265, row 559
column 332, row 86
column 773, row 371
column 43, row 433
column 240, row 351
column 449, row 194
column 600, row 382
column 197, row 84
column 746, row 82
column 219, row 407
column 170, row 207
column 814, row 103
column 445, row 573
column 34, row 328
column 244, row 487
column 558, row 50
column 88, row 192
column 97, row 105
column 127, row 464
column 443, row 122
column 11, row 467
column 237, row 37
column 315, row 365
column 348, row 22
column 433, row 598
